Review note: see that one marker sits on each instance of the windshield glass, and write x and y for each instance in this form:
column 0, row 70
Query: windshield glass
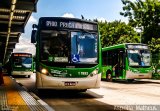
column 23, row 62
column 54, row 46
column 139, row 57
column 83, row 47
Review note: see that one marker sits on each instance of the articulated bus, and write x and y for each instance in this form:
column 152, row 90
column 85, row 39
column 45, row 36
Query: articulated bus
column 126, row 61
column 20, row 64
column 67, row 54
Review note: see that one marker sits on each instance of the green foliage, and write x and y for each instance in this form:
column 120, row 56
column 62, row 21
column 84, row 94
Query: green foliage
column 154, row 45
column 117, row 32
column 144, row 15
column 156, row 66
column 155, row 76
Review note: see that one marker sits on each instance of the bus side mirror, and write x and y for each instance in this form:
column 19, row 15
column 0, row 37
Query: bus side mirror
column 33, row 36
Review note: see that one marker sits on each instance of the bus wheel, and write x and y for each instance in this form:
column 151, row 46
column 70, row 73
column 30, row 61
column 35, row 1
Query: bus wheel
column 109, row 77
column 83, row 90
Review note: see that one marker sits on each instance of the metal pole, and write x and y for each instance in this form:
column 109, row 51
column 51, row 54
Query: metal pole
column 1, row 75
column 141, row 35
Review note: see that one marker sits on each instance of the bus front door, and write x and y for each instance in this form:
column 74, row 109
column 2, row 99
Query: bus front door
column 120, row 64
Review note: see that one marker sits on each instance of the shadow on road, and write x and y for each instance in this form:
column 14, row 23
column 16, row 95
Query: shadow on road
column 75, row 101
column 67, row 100
column 66, row 94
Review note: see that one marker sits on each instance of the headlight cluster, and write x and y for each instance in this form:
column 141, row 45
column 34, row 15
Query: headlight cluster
column 95, row 72
column 44, row 71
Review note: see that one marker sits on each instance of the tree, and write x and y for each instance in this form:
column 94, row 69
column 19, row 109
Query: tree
column 117, row 32
column 144, row 15
column 154, row 45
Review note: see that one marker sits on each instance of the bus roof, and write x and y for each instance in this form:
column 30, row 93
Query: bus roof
column 66, row 18
column 67, row 23
column 118, row 46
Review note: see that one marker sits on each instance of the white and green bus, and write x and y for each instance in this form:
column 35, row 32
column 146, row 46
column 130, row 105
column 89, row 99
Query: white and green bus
column 126, row 61
column 67, row 53
column 20, row 64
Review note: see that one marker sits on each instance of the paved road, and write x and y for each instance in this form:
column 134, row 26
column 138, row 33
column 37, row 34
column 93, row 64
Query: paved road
column 108, row 97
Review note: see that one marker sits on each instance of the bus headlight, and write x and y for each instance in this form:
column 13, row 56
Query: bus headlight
column 44, row 71
column 95, row 72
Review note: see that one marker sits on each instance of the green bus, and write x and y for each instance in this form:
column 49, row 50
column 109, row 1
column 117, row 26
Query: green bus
column 126, row 61
column 20, row 64
column 67, row 53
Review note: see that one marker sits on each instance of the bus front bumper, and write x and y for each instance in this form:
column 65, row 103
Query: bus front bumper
column 22, row 72
column 131, row 75
column 48, row 82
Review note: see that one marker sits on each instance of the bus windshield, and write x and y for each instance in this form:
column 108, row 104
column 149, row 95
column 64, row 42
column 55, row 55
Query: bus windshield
column 83, row 47
column 55, row 46
column 23, row 62
column 139, row 57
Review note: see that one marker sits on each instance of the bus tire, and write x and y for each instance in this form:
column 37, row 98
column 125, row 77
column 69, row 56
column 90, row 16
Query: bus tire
column 109, row 77
column 82, row 90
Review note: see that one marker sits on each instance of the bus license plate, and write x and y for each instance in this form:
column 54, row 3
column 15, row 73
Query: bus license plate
column 141, row 75
column 69, row 83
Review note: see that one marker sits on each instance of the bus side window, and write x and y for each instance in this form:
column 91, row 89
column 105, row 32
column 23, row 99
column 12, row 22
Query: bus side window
column 104, row 56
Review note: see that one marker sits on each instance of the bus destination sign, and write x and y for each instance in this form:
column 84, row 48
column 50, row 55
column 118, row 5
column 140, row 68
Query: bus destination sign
column 22, row 55
column 70, row 24
column 137, row 46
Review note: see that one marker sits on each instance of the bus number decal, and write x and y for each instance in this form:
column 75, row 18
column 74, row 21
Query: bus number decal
column 55, row 71
column 83, row 73
column 51, row 23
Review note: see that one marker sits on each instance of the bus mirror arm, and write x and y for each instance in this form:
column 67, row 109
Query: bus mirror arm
column 33, row 36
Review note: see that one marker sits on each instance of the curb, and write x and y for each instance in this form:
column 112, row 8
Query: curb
column 40, row 101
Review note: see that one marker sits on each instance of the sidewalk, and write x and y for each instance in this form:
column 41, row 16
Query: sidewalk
column 13, row 97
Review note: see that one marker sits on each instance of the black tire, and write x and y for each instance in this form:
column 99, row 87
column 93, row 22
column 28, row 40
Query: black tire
column 83, row 90
column 109, row 77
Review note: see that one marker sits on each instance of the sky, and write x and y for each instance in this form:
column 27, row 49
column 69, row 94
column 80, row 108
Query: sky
column 91, row 9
